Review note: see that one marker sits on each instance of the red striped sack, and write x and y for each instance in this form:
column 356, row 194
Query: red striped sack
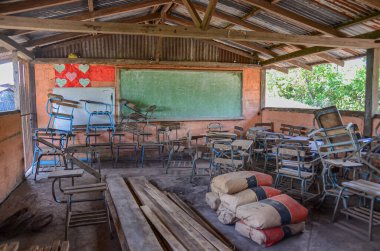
column 273, row 212
column 268, row 237
column 230, row 202
column 235, row 182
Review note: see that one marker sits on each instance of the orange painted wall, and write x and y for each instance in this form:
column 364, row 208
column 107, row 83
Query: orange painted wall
column 301, row 119
column 44, row 74
column 11, row 154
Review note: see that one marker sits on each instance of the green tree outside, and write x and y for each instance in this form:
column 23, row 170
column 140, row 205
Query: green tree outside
column 325, row 85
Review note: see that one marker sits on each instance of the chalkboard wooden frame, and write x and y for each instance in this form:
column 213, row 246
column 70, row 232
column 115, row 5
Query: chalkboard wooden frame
column 238, row 108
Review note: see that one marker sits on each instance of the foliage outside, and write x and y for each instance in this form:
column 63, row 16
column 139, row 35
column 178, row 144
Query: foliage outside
column 325, row 85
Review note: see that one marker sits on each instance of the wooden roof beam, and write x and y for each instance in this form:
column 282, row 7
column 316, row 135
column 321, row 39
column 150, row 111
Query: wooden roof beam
column 208, row 15
column 29, row 5
column 11, row 45
column 11, row 22
column 240, row 22
column 106, row 12
column 372, row 3
column 228, row 18
column 301, row 65
column 331, row 59
column 67, row 36
column 193, row 13
column 315, row 50
column 293, row 17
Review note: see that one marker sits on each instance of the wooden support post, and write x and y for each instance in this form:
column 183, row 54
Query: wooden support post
column 262, row 88
column 371, row 90
column 16, row 79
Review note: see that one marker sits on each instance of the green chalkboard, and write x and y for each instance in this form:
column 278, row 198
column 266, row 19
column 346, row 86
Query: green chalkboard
column 183, row 94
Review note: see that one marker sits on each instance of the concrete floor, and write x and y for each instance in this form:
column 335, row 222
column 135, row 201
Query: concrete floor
column 320, row 234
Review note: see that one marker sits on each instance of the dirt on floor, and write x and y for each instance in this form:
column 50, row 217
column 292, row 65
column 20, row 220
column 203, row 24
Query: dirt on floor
column 320, row 233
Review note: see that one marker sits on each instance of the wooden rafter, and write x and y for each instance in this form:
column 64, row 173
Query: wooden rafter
column 69, row 36
column 90, row 4
column 301, row 65
column 184, row 22
column 372, row 3
column 293, row 17
column 208, row 15
column 329, row 58
column 106, row 12
column 226, row 17
column 240, row 22
column 193, row 13
column 314, row 50
column 11, row 45
column 29, row 5
column 11, row 22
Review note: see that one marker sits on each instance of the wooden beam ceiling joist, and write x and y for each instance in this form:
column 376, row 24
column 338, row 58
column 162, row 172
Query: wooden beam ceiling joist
column 106, row 12
column 111, row 11
column 209, row 13
column 315, row 50
column 280, row 69
column 239, row 21
column 11, row 45
column 301, row 65
column 228, row 18
column 29, row 5
column 70, row 35
column 372, row 3
column 293, row 17
column 193, row 13
column 123, row 62
column 331, row 59
column 11, row 22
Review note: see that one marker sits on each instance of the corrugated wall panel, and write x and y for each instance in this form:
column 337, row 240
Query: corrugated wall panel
column 140, row 48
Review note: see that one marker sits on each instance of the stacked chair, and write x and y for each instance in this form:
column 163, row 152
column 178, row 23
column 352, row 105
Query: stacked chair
column 340, row 148
column 58, row 131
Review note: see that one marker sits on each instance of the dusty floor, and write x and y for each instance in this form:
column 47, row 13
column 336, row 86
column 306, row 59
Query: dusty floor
column 320, row 234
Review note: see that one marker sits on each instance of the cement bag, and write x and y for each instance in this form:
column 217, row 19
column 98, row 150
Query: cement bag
column 225, row 215
column 235, row 182
column 213, row 200
column 232, row 201
column 274, row 212
column 268, row 237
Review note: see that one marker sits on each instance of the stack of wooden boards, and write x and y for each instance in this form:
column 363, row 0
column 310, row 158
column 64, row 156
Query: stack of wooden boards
column 262, row 213
column 146, row 218
column 55, row 246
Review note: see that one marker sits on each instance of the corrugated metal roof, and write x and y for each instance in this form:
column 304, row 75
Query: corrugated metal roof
column 326, row 12
column 313, row 11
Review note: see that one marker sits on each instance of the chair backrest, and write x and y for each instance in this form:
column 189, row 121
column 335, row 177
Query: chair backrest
column 292, row 130
column 149, row 111
column 337, row 140
column 269, row 125
column 328, row 117
column 223, row 156
column 239, row 131
column 214, row 126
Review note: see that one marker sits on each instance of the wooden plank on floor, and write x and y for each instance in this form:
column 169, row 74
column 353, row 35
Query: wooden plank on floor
column 183, row 235
column 137, row 231
column 191, row 212
column 162, row 229
column 116, row 222
column 179, row 215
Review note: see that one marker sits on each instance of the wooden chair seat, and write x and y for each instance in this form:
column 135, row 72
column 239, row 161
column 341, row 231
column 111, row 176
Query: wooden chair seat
column 364, row 186
column 98, row 187
column 342, row 163
column 66, row 174
column 294, row 173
